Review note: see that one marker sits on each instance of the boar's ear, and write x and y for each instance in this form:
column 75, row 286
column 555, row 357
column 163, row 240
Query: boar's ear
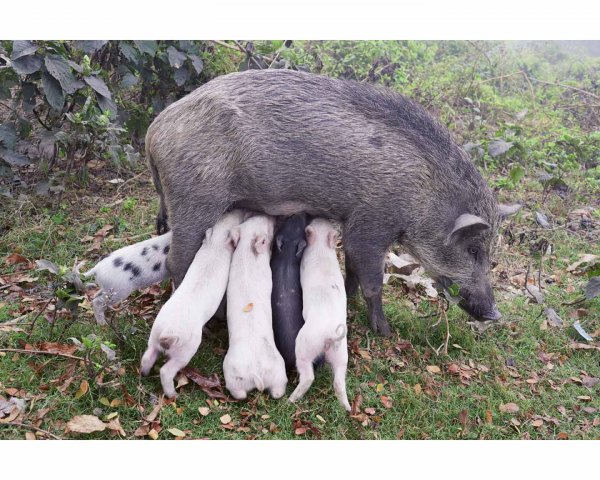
column 261, row 244
column 332, row 237
column 301, row 247
column 466, row 224
column 234, row 237
column 311, row 235
column 279, row 242
column 508, row 210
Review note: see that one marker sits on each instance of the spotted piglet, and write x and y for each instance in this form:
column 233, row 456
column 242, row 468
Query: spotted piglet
column 252, row 360
column 177, row 330
column 130, row 268
column 324, row 311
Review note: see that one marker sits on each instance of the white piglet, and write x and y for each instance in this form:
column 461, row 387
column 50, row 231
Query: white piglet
column 252, row 360
column 324, row 311
column 130, row 268
column 177, row 330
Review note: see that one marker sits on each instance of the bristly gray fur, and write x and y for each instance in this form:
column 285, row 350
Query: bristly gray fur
column 353, row 152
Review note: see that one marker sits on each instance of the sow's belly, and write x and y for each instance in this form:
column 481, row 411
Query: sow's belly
column 287, row 208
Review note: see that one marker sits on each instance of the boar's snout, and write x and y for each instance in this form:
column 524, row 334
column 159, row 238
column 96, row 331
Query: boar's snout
column 479, row 305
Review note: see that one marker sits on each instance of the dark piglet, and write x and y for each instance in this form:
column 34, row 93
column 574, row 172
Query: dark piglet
column 286, row 296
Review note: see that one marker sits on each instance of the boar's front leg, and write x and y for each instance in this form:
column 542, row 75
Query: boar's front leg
column 367, row 254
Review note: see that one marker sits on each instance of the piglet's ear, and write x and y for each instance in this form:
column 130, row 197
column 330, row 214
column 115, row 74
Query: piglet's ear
column 332, row 237
column 208, row 235
column 311, row 235
column 261, row 244
column 233, row 237
column 279, row 243
column 301, row 247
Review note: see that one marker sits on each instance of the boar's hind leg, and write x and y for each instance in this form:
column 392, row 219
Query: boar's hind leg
column 367, row 255
column 351, row 283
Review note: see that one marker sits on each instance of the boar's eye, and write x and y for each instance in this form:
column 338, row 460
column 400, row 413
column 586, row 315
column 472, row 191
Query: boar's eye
column 474, row 251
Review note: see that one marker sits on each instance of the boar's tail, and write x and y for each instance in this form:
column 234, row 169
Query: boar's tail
column 162, row 225
column 341, row 331
column 258, row 383
column 167, row 342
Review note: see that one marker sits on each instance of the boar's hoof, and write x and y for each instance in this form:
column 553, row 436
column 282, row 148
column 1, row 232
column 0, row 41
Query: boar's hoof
column 382, row 327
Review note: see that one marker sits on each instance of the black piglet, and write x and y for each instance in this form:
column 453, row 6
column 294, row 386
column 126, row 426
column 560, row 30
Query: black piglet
column 286, row 296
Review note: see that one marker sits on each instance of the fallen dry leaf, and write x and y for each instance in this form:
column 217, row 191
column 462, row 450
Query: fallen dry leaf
column 488, row 417
column 115, row 425
column 204, row 411
column 176, row 432
column 562, row 436
column 463, row 418
column 209, row 385
column 30, row 436
column 509, row 408
column 589, row 382
column 433, row 369
column 225, row 419
column 153, row 434
column 537, row 423
column 86, row 424
column 83, row 389
column 387, row 401
column 52, row 347
column 585, row 258
column 15, row 258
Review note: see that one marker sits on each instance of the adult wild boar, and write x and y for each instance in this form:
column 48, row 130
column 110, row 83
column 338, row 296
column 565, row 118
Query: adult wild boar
column 284, row 142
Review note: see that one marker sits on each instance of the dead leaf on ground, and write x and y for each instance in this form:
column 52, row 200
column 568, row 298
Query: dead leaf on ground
column 589, row 382
column 509, row 408
column 225, row 419
column 586, row 259
column 463, row 418
column 52, row 347
column 176, row 432
column 15, row 258
column 204, row 411
column 210, row 385
column 83, row 389
column 553, row 317
column 433, row 369
column 86, row 424
column 9, row 409
column 115, row 425
column 387, row 401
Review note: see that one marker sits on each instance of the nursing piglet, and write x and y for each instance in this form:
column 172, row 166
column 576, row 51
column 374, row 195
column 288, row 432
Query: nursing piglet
column 286, row 298
column 177, row 330
column 252, row 360
column 324, row 311
column 130, row 268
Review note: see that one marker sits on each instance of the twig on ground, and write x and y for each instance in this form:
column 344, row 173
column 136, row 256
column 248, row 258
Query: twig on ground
column 42, row 352
column 129, row 180
column 38, row 316
column 26, row 425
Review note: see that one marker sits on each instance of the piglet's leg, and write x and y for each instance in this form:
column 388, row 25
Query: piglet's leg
column 307, row 375
column 99, row 304
column 176, row 362
column 338, row 359
column 149, row 359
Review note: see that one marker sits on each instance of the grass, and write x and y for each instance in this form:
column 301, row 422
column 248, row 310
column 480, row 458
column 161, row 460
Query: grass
column 521, row 361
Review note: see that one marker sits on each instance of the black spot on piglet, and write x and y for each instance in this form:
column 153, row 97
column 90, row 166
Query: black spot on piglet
column 166, row 249
column 117, row 262
column 156, row 267
column 154, row 247
column 135, row 270
column 128, row 266
column 144, row 251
